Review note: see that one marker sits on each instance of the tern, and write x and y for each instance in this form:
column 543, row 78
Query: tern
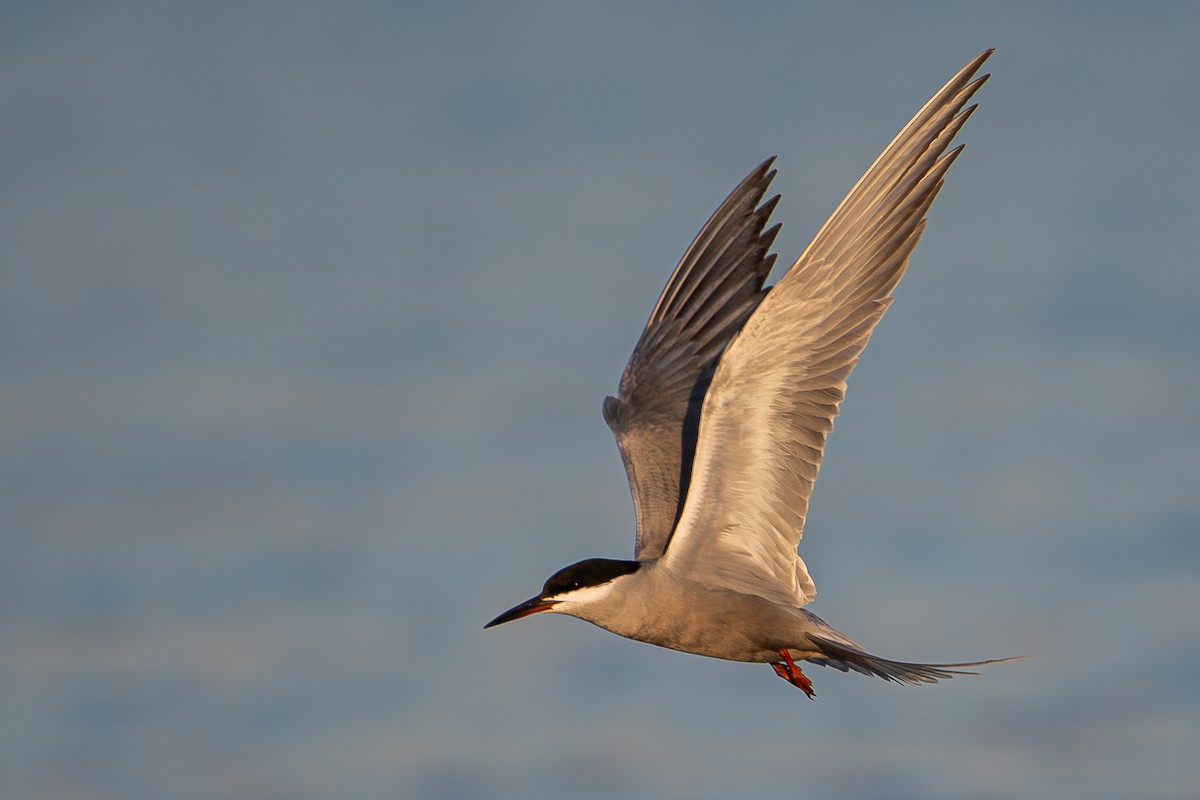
column 724, row 408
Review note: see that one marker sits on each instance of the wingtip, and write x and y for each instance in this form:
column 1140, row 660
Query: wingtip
column 763, row 170
column 973, row 66
column 767, row 171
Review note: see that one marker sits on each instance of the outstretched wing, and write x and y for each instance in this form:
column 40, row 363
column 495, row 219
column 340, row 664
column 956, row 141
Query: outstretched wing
column 655, row 414
column 776, row 390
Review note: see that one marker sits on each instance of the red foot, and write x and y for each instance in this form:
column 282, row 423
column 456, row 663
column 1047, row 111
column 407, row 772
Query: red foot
column 792, row 674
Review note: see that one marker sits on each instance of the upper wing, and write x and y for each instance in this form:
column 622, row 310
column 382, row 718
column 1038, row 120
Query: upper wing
column 716, row 286
column 777, row 387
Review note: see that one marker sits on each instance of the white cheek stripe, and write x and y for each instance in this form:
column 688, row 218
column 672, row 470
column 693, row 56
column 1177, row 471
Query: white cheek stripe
column 583, row 596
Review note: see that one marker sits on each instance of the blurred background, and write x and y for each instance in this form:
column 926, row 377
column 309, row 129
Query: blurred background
column 307, row 311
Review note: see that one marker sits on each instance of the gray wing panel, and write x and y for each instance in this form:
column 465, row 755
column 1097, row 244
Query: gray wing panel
column 655, row 415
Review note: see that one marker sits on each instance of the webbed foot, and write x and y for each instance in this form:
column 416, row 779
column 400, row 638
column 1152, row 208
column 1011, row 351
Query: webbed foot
column 792, row 674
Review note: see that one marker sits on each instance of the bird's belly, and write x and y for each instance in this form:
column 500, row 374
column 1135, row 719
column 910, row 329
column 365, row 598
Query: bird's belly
column 718, row 624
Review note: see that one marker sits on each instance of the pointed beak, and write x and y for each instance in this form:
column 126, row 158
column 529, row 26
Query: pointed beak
column 531, row 606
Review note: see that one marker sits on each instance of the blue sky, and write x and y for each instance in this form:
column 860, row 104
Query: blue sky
column 307, row 311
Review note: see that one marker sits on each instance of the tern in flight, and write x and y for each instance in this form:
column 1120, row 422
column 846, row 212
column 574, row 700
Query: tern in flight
column 724, row 408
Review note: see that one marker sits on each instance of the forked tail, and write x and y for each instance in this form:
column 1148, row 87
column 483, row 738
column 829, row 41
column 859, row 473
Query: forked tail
column 846, row 658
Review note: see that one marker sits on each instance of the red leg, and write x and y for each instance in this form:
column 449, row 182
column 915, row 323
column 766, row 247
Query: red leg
column 792, row 674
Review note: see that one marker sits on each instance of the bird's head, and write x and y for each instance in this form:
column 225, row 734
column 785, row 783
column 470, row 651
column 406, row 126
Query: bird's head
column 571, row 588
